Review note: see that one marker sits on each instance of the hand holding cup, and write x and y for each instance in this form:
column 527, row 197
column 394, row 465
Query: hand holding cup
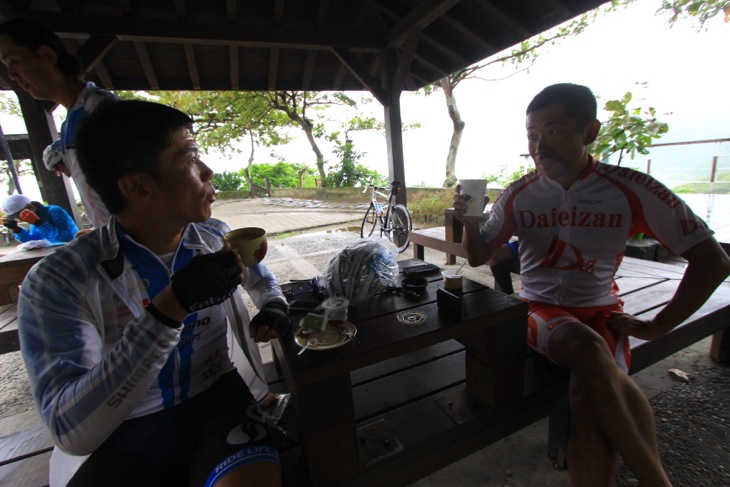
column 250, row 242
column 469, row 202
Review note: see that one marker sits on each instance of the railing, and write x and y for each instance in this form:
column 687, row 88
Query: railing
column 698, row 166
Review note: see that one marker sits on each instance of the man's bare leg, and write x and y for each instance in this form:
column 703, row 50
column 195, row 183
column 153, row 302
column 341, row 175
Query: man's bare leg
column 592, row 459
column 618, row 407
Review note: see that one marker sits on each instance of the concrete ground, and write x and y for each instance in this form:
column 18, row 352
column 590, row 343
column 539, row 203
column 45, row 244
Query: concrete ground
column 305, row 235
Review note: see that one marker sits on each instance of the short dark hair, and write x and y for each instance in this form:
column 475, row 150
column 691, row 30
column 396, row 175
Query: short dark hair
column 122, row 137
column 578, row 101
column 32, row 35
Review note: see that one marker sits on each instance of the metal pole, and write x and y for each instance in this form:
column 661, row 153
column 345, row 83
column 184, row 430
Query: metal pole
column 9, row 158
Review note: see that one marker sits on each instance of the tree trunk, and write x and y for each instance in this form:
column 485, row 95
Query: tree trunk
column 279, row 101
column 458, row 130
column 249, row 178
column 315, row 148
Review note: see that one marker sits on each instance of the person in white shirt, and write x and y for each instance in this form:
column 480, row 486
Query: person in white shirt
column 572, row 217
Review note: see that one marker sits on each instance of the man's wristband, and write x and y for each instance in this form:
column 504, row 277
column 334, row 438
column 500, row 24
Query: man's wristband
column 162, row 318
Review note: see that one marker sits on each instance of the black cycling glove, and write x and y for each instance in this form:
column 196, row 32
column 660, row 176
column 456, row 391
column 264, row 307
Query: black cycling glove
column 275, row 317
column 206, row 280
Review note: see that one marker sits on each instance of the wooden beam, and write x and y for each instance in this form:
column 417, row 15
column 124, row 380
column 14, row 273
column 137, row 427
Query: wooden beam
column 259, row 34
column 149, row 70
column 506, row 20
column 394, row 125
column 273, row 67
column 473, row 36
column 423, row 14
column 233, row 61
column 362, row 75
column 308, row 69
column 192, row 66
column 405, row 59
column 103, row 74
column 93, row 51
column 41, row 132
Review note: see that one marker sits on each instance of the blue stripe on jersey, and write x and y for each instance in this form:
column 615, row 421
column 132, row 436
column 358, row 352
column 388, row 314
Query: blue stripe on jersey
column 155, row 277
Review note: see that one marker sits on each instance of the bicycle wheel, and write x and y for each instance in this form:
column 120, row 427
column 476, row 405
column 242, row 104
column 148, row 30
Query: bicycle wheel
column 368, row 222
column 400, row 227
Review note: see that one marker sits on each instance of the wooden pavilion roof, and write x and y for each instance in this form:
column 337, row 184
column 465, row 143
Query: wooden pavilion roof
column 266, row 45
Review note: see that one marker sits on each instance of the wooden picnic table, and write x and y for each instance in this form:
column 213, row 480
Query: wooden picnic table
column 13, row 268
column 400, row 406
column 492, row 328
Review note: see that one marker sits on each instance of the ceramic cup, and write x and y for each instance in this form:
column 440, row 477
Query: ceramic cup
column 452, row 279
column 250, row 242
column 474, row 190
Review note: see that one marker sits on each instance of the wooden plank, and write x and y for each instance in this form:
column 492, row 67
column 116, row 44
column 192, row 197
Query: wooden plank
column 647, row 298
column 30, row 472
column 8, row 315
column 441, row 449
column 405, row 386
column 23, row 443
column 630, row 284
column 435, row 238
column 405, row 361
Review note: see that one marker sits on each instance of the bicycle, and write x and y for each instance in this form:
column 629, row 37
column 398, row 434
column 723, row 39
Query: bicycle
column 394, row 219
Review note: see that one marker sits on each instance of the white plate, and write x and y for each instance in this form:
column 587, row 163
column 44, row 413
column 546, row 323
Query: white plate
column 327, row 339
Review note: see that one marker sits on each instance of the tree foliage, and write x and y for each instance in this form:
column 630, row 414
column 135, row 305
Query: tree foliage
column 701, row 11
column 628, row 129
column 306, row 110
column 223, row 118
column 521, row 57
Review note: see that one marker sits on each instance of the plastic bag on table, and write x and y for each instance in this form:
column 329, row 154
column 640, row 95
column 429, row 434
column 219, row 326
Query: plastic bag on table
column 362, row 270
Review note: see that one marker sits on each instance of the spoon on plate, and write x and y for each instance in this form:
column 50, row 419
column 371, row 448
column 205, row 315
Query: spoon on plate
column 310, row 343
column 348, row 333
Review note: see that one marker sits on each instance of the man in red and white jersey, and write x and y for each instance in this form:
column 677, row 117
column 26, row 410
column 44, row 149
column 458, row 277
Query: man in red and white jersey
column 572, row 216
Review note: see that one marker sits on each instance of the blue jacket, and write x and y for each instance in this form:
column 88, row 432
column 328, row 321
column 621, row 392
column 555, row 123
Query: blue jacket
column 56, row 226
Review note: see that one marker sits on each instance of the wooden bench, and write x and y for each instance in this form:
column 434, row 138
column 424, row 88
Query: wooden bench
column 446, row 239
column 429, row 385
column 25, row 456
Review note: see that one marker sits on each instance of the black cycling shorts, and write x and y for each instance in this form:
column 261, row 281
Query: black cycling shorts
column 194, row 443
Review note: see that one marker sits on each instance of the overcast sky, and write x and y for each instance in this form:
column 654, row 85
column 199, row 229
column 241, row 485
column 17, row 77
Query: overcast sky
column 686, row 71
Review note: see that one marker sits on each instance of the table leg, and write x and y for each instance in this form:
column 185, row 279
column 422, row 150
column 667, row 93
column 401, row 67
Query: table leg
column 327, row 428
column 495, row 361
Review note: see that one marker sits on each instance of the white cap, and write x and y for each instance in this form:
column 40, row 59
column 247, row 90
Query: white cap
column 14, row 203
column 52, row 155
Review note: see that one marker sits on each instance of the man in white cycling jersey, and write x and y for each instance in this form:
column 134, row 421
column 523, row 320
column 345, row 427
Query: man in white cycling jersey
column 123, row 330
column 572, row 217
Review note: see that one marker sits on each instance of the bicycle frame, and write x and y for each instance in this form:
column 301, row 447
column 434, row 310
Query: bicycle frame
column 382, row 210
column 393, row 219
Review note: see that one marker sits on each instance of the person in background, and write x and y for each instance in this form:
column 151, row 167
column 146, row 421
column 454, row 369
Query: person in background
column 47, row 222
column 572, row 217
column 41, row 65
column 123, row 330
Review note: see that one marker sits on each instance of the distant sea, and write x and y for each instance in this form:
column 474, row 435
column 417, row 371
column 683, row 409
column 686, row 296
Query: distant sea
column 688, row 167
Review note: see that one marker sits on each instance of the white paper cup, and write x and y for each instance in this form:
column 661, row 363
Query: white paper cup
column 452, row 279
column 474, row 190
